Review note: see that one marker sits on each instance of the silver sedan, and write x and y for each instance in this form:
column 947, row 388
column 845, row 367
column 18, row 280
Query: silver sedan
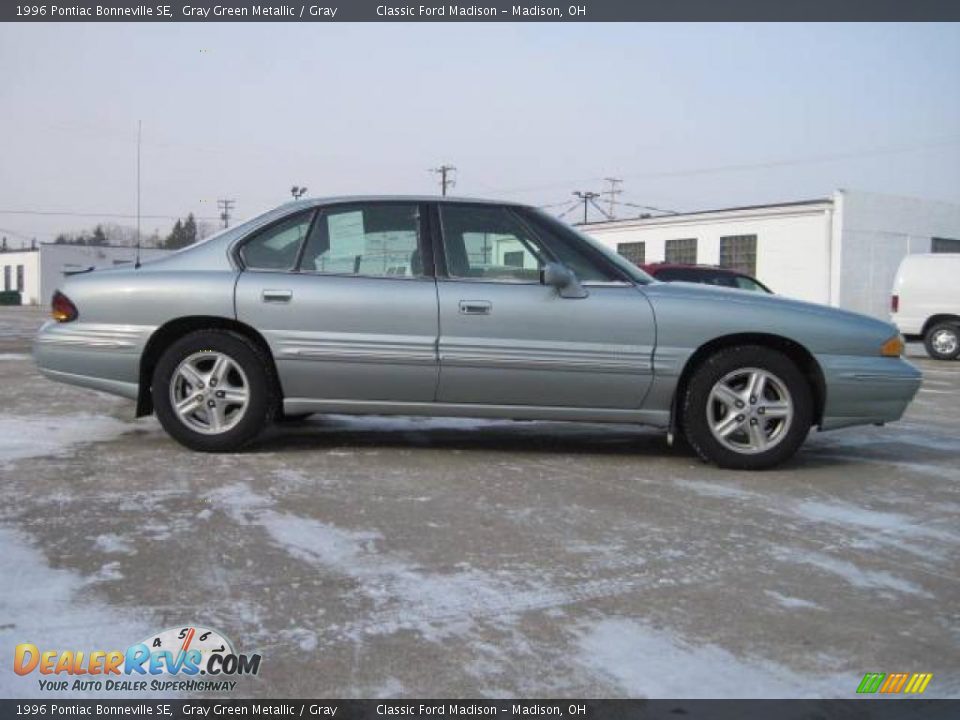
column 429, row 306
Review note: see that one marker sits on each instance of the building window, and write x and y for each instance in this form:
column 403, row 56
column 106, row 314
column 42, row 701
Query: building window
column 944, row 245
column 739, row 252
column 6, row 277
column 513, row 258
column 19, row 278
column 681, row 252
column 635, row 252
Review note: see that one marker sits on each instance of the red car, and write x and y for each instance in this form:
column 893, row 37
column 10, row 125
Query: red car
column 706, row 275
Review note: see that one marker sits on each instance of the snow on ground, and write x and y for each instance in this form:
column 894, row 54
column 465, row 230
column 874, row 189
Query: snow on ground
column 52, row 609
column 638, row 658
column 405, row 596
column 30, row 436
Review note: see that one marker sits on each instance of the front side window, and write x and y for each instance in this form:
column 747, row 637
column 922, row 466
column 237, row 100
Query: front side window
column 277, row 246
column 378, row 239
column 488, row 243
column 681, row 252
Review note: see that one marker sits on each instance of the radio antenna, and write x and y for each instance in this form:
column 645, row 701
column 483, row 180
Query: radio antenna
column 136, row 263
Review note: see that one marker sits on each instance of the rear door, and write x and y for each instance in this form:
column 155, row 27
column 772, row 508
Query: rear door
column 345, row 301
column 507, row 339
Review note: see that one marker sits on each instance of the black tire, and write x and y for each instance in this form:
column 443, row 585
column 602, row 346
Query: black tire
column 262, row 394
column 936, row 334
column 720, row 365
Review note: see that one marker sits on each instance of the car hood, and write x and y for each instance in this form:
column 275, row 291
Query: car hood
column 693, row 313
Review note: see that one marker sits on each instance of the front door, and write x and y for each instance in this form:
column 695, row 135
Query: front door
column 341, row 296
column 507, row 339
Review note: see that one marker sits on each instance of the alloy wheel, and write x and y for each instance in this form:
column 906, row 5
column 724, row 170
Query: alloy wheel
column 749, row 410
column 209, row 392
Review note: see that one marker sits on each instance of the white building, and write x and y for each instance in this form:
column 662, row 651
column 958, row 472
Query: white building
column 36, row 273
column 840, row 251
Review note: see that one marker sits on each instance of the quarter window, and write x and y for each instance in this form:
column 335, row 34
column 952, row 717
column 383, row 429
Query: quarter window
column 682, row 251
column 944, row 245
column 277, row 246
column 739, row 252
column 635, row 252
column 376, row 239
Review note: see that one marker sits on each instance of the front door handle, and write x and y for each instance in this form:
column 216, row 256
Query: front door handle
column 476, row 307
column 277, row 296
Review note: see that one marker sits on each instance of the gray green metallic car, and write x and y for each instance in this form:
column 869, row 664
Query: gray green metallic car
column 454, row 307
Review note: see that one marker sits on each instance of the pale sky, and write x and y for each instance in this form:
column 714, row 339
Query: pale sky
column 691, row 116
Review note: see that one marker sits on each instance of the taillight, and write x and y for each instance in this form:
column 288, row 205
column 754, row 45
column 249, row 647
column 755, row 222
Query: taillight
column 894, row 303
column 62, row 308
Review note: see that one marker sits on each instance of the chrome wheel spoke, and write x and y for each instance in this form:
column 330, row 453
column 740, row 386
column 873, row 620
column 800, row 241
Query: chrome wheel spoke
column 758, row 438
column 189, row 404
column 774, row 410
column 234, row 396
column 728, row 425
column 727, row 396
column 190, row 374
column 755, row 386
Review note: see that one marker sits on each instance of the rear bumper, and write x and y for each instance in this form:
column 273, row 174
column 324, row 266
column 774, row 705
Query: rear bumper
column 101, row 357
column 866, row 390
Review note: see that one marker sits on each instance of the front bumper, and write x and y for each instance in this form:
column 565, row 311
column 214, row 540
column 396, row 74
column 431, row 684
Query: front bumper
column 866, row 390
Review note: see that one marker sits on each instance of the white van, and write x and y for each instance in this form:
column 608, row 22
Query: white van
column 926, row 302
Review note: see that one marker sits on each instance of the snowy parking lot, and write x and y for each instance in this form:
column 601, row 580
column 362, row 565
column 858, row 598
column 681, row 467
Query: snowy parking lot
column 413, row 557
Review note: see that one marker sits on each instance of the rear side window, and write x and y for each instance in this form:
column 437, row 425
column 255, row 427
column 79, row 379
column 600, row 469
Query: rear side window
column 277, row 246
column 375, row 239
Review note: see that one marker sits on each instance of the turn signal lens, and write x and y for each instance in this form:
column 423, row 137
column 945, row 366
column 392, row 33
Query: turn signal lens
column 892, row 347
column 62, row 308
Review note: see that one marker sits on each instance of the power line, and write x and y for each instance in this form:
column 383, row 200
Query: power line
column 587, row 197
column 446, row 177
column 112, row 215
column 611, row 192
column 782, row 162
column 225, row 206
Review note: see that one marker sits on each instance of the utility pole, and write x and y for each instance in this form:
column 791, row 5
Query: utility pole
column 298, row 192
column 446, row 177
column 225, row 206
column 587, row 197
column 611, row 193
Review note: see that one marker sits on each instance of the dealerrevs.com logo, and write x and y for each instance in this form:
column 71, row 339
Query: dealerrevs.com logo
column 179, row 659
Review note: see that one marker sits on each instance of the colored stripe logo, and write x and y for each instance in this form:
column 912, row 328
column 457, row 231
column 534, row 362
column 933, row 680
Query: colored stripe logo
column 893, row 683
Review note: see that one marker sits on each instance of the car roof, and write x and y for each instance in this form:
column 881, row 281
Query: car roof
column 337, row 199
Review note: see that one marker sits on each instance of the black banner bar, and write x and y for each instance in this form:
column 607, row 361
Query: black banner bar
column 874, row 709
column 481, row 11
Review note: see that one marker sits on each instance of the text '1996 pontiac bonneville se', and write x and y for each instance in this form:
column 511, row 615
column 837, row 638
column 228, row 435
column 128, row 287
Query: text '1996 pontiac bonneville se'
column 448, row 307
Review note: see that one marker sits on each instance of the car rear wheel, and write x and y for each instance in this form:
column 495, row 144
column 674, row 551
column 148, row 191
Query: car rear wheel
column 747, row 408
column 942, row 341
column 213, row 391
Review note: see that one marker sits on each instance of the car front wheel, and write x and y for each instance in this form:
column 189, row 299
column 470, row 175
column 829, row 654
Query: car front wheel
column 942, row 341
column 212, row 391
column 747, row 408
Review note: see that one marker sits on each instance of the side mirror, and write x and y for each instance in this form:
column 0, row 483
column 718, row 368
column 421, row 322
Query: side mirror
column 559, row 276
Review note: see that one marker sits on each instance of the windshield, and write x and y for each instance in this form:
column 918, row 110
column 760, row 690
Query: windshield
column 631, row 270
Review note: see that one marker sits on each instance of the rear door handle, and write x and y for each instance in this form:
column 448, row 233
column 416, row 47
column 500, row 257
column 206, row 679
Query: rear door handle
column 277, row 296
column 475, row 307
